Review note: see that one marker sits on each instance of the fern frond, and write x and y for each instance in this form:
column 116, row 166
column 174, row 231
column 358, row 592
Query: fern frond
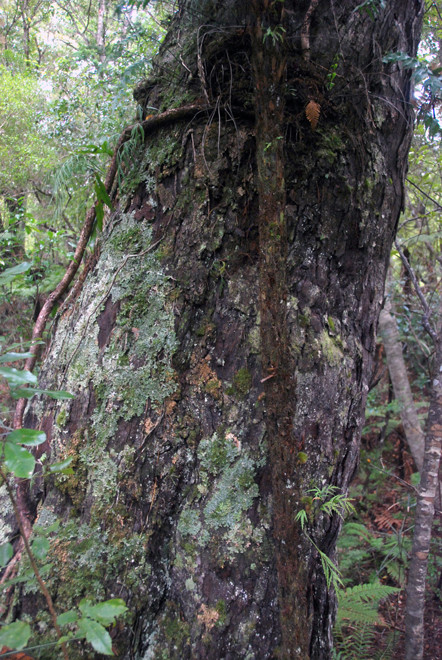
column 128, row 150
column 76, row 165
column 371, row 592
column 360, row 603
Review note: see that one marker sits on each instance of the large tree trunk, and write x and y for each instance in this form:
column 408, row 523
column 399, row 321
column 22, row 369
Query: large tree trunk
column 187, row 482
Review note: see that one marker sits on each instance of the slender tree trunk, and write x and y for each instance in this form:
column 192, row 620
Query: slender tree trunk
column 414, row 618
column 101, row 30
column 221, row 346
column 401, row 385
column 25, row 16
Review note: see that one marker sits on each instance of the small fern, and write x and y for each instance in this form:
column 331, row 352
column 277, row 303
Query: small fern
column 357, row 616
column 356, row 643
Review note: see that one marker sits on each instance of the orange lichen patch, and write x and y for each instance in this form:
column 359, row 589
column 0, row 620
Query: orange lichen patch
column 206, row 379
column 149, row 425
column 234, row 439
column 169, row 407
column 208, row 616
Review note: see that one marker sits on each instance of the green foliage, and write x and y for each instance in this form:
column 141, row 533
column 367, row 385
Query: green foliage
column 9, row 274
column 429, row 81
column 276, row 34
column 357, row 615
column 24, row 153
column 5, row 553
column 13, row 455
column 89, row 621
column 330, row 502
column 333, row 72
column 364, row 554
column 359, row 604
column 372, row 7
column 15, row 635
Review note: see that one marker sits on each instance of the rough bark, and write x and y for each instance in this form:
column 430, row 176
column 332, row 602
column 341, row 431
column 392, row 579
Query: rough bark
column 414, row 618
column 401, row 385
column 208, row 306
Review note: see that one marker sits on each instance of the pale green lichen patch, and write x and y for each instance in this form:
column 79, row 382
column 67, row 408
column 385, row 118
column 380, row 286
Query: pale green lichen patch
column 226, row 490
column 232, row 496
column 6, row 511
column 135, row 366
column 127, row 369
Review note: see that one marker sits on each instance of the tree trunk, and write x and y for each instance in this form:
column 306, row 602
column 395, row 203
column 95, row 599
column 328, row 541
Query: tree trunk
column 401, row 385
column 101, row 31
column 221, row 346
column 24, row 7
column 423, row 523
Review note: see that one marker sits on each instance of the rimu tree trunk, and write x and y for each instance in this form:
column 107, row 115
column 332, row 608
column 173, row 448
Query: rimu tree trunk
column 221, row 346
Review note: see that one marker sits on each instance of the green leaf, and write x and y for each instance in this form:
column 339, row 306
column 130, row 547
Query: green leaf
column 5, row 553
column 30, row 437
column 17, row 377
column 96, row 149
column 15, row 635
column 47, row 529
column 62, row 466
column 28, row 392
column 99, row 214
column 58, row 394
column 9, row 273
column 18, row 460
column 13, row 357
column 105, row 612
column 24, row 392
column 40, row 547
column 101, row 192
column 96, row 635
column 70, row 616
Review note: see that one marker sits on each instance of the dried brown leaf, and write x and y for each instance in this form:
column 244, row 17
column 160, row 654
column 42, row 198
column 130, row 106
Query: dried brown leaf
column 312, row 112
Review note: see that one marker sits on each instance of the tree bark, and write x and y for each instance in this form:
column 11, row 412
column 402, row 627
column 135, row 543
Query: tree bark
column 401, row 385
column 221, row 346
column 423, row 522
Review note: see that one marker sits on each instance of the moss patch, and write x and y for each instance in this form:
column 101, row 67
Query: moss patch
column 242, row 382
